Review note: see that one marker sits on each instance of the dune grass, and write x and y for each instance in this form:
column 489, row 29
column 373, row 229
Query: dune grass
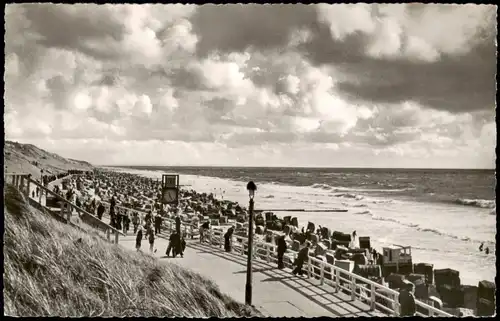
column 57, row 270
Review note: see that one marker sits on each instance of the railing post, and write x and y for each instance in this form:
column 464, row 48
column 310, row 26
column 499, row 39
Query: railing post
column 17, row 181
column 353, row 288
column 396, row 305
column 242, row 247
column 108, row 235
column 14, row 180
column 308, row 267
column 268, row 253
column 372, row 297
column 322, row 273
column 116, row 237
column 337, row 280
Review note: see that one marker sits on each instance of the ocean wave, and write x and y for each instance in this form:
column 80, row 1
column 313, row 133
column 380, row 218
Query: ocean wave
column 358, row 205
column 475, row 202
column 382, row 201
column 422, row 229
column 349, row 195
column 322, row 186
column 269, row 196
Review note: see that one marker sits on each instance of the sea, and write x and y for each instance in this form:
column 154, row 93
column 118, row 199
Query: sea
column 444, row 215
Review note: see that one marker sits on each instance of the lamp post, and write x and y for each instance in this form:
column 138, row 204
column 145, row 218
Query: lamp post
column 251, row 187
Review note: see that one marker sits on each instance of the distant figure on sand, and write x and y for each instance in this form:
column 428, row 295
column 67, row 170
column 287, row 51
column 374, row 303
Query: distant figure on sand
column 301, row 258
column 487, row 251
column 481, row 247
column 138, row 239
column 281, row 251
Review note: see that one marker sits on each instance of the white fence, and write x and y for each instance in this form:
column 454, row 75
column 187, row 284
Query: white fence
column 375, row 295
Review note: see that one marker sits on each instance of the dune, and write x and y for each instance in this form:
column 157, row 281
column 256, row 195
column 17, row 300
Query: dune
column 27, row 158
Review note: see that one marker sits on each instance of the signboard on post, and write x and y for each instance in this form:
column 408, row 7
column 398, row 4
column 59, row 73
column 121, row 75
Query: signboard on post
column 170, row 189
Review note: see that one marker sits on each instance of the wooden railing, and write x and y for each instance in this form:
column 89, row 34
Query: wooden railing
column 376, row 296
column 23, row 183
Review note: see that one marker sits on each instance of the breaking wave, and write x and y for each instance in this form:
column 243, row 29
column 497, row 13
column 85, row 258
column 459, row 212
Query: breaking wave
column 475, row 203
column 349, row 195
column 419, row 228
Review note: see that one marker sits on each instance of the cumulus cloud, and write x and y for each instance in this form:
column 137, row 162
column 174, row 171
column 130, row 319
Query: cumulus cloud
column 288, row 83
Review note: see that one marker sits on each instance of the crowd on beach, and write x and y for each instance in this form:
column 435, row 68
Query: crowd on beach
column 131, row 199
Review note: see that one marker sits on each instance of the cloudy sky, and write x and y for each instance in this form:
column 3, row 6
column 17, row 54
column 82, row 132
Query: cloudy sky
column 282, row 85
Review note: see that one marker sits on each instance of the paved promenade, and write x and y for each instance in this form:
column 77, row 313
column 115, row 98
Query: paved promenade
column 276, row 293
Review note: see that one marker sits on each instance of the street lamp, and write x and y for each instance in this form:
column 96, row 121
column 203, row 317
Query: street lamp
column 251, row 187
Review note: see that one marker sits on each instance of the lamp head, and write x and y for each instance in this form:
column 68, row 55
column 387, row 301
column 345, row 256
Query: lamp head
column 251, row 187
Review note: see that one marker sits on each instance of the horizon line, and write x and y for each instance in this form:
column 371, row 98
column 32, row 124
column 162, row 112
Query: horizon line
column 301, row 167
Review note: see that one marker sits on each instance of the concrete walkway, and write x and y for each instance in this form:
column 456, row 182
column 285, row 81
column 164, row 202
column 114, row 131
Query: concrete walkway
column 276, row 293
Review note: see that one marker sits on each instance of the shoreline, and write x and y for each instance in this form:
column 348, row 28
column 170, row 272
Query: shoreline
column 148, row 173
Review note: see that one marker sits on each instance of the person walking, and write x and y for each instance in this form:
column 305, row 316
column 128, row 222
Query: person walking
column 100, row 211
column 138, row 239
column 158, row 221
column 178, row 224
column 301, row 259
column 151, row 235
column 135, row 222
column 407, row 300
column 228, row 239
column 203, row 230
column 126, row 223
column 171, row 244
column 180, row 244
column 281, row 251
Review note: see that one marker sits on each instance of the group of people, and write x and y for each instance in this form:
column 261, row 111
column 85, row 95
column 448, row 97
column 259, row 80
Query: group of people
column 486, row 250
column 177, row 242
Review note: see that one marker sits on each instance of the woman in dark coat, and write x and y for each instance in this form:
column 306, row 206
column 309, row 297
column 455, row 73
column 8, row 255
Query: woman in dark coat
column 228, row 238
column 281, row 251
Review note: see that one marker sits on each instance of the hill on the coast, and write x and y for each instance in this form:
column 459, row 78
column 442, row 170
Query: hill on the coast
column 27, row 158
column 54, row 269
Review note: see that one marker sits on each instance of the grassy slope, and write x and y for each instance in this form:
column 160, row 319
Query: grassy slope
column 48, row 271
column 19, row 157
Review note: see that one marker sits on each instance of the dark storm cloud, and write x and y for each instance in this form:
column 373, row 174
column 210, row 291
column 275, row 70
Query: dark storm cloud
column 186, row 79
column 68, row 27
column 235, row 27
column 454, row 84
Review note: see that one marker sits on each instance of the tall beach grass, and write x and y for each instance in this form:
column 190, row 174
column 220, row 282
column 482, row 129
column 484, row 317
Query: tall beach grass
column 53, row 269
